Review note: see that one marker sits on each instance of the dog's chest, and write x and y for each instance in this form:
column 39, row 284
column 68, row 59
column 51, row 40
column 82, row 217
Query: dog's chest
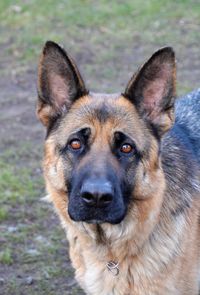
column 102, row 282
column 98, row 280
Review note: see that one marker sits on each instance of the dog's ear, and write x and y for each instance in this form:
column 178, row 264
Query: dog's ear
column 59, row 83
column 152, row 90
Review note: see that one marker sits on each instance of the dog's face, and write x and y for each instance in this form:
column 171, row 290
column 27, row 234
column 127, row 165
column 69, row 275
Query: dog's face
column 102, row 151
column 100, row 154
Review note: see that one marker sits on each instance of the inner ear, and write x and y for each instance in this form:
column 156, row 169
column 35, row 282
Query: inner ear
column 59, row 90
column 152, row 89
column 59, row 83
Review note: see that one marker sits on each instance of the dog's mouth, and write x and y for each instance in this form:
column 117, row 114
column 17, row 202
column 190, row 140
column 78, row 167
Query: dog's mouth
column 94, row 221
column 113, row 214
column 112, row 220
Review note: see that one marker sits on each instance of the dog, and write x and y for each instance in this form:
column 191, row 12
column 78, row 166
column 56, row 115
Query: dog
column 123, row 173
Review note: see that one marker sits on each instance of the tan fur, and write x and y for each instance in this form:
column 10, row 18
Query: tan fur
column 142, row 264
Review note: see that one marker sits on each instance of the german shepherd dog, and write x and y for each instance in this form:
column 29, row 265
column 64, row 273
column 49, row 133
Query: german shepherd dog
column 123, row 173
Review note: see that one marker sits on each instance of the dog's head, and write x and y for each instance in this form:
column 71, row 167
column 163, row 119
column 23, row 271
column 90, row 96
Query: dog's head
column 102, row 151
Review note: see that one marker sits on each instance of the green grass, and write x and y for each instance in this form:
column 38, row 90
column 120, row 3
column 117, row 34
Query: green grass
column 31, row 239
column 6, row 257
column 16, row 185
column 100, row 24
column 3, row 213
column 99, row 34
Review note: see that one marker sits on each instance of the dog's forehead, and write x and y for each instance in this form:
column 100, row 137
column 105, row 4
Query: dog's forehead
column 103, row 109
column 107, row 112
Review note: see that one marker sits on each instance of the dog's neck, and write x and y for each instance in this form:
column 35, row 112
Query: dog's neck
column 112, row 253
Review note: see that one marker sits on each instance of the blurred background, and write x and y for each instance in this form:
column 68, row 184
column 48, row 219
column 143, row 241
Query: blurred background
column 108, row 40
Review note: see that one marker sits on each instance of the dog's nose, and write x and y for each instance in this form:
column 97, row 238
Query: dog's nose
column 97, row 192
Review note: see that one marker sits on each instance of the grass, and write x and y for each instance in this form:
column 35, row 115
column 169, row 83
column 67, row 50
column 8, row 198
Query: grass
column 3, row 213
column 6, row 257
column 109, row 40
column 14, row 187
column 113, row 26
column 32, row 247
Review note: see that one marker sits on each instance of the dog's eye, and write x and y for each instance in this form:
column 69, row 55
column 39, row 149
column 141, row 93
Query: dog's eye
column 126, row 148
column 75, row 144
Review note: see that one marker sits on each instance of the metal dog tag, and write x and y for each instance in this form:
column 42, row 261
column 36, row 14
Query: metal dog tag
column 113, row 267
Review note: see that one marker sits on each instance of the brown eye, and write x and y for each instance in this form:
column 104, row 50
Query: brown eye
column 126, row 148
column 75, row 144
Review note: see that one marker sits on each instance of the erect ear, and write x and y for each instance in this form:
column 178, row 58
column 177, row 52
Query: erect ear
column 152, row 90
column 59, row 83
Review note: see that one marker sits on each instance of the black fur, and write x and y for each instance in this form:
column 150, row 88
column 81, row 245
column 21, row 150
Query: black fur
column 180, row 150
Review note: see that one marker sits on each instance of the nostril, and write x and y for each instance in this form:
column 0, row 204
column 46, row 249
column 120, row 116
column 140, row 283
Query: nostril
column 105, row 199
column 88, row 198
column 97, row 199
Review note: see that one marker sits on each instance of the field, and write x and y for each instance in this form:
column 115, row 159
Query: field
column 108, row 40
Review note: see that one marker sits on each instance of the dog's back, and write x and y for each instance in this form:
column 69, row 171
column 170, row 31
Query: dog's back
column 181, row 155
column 188, row 119
column 181, row 165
